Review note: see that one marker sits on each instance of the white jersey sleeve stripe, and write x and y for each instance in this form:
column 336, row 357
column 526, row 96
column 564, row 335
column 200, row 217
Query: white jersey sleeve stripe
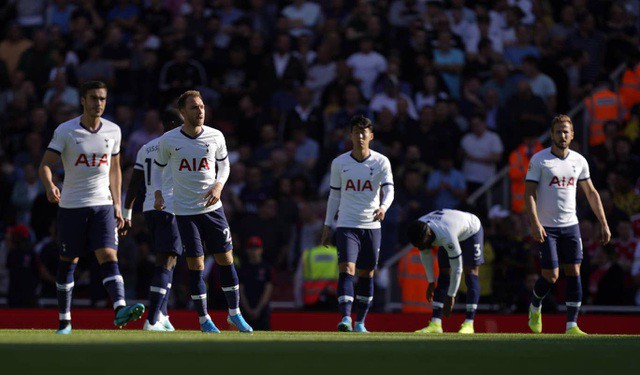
column 160, row 164
column 386, row 184
column 334, row 188
column 222, row 158
column 138, row 166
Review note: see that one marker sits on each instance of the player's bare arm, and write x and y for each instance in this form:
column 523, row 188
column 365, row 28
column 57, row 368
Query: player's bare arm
column 325, row 239
column 213, row 195
column 537, row 230
column 449, row 301
column 596, row 205
column 378, row 215
column 49, row 160
column 137, row 179
column 115, row 185
column 158, row 203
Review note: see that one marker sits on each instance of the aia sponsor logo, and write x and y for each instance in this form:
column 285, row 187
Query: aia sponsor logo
column 194, row 165
column 92, row 160
column 358, row 185
column 562, row 182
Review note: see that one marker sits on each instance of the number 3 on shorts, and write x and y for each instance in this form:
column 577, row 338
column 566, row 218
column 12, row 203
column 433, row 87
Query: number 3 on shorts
column 476, row 252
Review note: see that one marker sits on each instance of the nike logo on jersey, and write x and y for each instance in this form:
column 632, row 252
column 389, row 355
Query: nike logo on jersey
column 346, row 170
column 179, row 148
column 78, row 141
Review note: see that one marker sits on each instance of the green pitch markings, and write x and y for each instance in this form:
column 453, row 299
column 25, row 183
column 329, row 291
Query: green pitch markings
column 94, row 352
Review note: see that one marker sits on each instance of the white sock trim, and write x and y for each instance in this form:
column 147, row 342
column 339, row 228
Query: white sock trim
column 234, row 312
column 169, row 286
column 436, row 320
column 198, row 296
column 471, row 307
column 573, row 304
column 344, row 299
column 155, row 289
column 230, row 288
column 535, row 309
column 116, row 278
column 65, row 287
column 571, row 325
column 437, row 305
column 365, row 299
column 203, row 319
column 119, row 303
column 64, row 316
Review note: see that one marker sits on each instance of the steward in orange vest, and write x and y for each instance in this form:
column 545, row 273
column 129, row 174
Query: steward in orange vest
column 413, row 281
column 603, row 105
column 629, row 89
column 518, row 166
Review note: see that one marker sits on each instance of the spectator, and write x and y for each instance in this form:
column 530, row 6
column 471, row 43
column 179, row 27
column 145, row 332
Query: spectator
column 366, row 65
column 482, row 150
column 22, row 266
column 256, row 287
column 12, row 47
column 25, row 192
column 541, row 84
column 450, row 62
column 446, row 184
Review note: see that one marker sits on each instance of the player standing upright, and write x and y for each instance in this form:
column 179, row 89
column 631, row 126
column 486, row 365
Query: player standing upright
column 550, row 201
column 192, row 152
column 89, row 215
column 162, row 226
column 357, row 178
column 460, row 238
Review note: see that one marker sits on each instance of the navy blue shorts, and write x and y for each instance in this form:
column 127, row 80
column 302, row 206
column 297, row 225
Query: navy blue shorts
column 164, row 231
column 562, row 245
column 210, row 231
column 86, row 229
column 472, row 251
column 359, row 246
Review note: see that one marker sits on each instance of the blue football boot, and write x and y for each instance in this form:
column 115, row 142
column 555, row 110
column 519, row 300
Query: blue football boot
column 238, row 321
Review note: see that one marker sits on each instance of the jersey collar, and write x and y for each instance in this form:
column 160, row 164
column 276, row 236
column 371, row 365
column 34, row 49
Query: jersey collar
column 360, row 161
column 564, row 158
column 190, row 137
column 89, row 130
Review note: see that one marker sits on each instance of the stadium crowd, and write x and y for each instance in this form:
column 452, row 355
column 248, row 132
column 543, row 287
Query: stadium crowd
column 456, row 90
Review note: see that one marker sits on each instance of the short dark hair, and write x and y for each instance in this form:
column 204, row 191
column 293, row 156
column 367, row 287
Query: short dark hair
column 171, row 118
column 361, row 122
column 182, row 100
column 416, row 231
column 91, row 85
column 559, row 119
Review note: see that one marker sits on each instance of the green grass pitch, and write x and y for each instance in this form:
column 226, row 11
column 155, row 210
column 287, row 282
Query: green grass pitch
column 93, row 352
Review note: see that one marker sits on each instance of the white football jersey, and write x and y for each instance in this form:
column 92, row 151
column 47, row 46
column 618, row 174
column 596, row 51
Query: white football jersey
column 557, row 184
column 86, row 157
column 450, row 227
column 145, row 162
column 193, row 167
column 359, row 183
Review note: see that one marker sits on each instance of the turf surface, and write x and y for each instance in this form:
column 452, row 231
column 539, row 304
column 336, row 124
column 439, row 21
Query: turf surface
column 94, row 352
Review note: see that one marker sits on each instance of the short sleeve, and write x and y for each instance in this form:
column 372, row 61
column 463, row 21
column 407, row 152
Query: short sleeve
column 139, row 165
column 221, row 151
column 163, row 153
column 335, row 182
column 584, row 173
column 533, row 172
column 387, row 173
column 118, row 142
column 58, row 141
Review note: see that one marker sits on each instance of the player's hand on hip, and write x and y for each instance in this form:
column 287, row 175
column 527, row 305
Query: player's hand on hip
column 125, row 227
column 325, row 239
column 158, row 204
column 605, row 234
column 213, row 195
column 378, row 215
column 430, row 290
column 53, row 194
column 538, row 233
column 448, row 306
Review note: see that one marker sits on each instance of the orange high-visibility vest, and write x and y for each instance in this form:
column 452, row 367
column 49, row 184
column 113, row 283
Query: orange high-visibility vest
column 518, row 166
column 629, row 90
column 413, row 281
column 602, row 106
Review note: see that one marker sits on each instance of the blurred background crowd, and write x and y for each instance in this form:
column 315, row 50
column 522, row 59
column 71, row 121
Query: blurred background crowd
column 457, row 90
